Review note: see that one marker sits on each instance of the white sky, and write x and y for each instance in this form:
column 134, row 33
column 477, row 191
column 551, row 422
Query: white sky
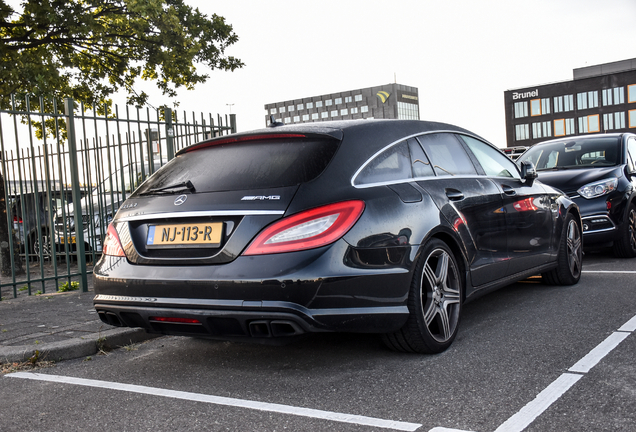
column 461, row 54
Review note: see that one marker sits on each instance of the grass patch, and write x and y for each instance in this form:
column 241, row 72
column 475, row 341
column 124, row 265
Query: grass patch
column 65, row 287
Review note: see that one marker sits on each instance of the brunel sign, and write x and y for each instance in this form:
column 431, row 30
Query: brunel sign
column 525, row 95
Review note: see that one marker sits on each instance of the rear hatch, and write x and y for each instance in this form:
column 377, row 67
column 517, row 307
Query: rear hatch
column 207, row 204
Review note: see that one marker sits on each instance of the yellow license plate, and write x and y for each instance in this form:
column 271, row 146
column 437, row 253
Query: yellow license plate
column 196, row 235
column 70, row 240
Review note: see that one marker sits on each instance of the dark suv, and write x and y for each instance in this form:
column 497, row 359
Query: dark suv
column 599, row 173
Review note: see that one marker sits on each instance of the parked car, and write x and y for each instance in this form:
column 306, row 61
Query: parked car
column 514, row 152
column 377, row 226
column 98, row 209
column 598, row 172
column 31, row 215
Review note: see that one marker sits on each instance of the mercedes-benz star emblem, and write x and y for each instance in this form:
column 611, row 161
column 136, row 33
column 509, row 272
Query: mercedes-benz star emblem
column 180, row 199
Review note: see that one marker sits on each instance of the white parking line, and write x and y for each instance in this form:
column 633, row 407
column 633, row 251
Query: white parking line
column 522, row 419
column 218, row 400
column 596, row 355
column 542, row 402
column 609, row 271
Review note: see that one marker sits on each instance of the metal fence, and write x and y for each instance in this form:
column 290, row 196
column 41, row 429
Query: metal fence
column 65, row 170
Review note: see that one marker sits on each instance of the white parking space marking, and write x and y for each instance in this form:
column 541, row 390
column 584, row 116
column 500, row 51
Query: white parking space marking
column 542, row 402
column 218, row 400
column 610, row 271
column 554, row 391
column 596, row 355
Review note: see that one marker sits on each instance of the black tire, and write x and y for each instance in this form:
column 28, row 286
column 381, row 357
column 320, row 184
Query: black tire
column 570, row 257
column 435, row 303
column 625, row 246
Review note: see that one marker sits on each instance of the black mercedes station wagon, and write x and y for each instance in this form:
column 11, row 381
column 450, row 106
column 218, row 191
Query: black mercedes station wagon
column 598, row 172
column 375, row 226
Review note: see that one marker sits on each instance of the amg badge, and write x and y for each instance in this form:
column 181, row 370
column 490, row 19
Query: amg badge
column 260, row 198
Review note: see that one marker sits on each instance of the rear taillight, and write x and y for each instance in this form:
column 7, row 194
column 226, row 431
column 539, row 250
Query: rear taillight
column 112, row 244
column 307, row 230
column 15, row 219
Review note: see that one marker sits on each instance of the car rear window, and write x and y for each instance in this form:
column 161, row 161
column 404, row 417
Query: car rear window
column 247, row 165
column 585, row 153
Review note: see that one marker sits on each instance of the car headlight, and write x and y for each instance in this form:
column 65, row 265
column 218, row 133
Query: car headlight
column 599, row 188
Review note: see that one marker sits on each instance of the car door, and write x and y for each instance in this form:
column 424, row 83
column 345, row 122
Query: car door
column 527, row 208
column 470, row 202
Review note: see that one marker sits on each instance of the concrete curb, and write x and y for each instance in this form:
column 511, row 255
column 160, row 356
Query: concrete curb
column 76, row 347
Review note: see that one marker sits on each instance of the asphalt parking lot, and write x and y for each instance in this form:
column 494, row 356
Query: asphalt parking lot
column 528, row 357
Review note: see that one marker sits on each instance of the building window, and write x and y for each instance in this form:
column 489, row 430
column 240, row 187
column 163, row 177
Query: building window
column 296, row 119
column 408, row 111
column 614, row 120
column 334, row 113
column 539, row 107
column 589, row 124
column 287, row 119
column 364, row 109
column 344, row 112
column 587, row 100
column 281, row 110
column 324, row 114
column 301, row 107
column 290, row 108
column 631, row 93
column 318, row 104
column 522, row 132
column 542, row 129
column 314, row 116
column 563, row 103
column 354, row 110
column 632, row 119
column 613, row 96
column 310, row 105
column 358, row 98
column 328, row 102
column 338, row 101
column 348, row 99
column 272, row 111
column 563, row 127
column 521, row 109
column 305, row 117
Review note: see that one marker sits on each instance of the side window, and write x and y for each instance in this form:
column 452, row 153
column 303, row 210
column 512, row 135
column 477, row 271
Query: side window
column 419, row 162
column 391, row 165
column 447, row 155
column 494, row 163
column 631, row 154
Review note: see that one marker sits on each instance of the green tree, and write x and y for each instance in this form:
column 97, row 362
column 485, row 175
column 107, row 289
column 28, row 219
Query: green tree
column 90, row 49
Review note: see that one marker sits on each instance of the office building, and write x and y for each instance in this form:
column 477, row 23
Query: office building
column 390, row 101
column 599, row 99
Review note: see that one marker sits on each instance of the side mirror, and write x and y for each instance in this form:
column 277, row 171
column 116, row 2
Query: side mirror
column 528, row 172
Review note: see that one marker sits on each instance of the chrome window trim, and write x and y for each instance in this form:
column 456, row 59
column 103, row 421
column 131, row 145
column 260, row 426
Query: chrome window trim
column 368, row 161
column 150, row 216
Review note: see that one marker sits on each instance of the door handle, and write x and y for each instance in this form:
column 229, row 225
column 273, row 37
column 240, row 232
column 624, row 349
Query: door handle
column 454, row 195
column 509, row 190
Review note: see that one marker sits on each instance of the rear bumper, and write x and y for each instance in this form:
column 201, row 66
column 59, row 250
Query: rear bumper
column 244, row 320
column 260, row 297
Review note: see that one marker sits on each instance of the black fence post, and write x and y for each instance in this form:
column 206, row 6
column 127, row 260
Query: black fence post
column 77, row 194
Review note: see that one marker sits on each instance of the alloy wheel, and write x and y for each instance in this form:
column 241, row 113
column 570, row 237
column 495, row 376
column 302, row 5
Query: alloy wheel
column 440, row 295
column 574, row 246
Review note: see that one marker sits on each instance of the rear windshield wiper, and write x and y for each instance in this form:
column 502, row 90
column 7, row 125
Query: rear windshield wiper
column 171, row 189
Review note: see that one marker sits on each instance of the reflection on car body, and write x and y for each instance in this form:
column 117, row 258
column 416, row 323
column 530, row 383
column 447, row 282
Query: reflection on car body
column 379, row 226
